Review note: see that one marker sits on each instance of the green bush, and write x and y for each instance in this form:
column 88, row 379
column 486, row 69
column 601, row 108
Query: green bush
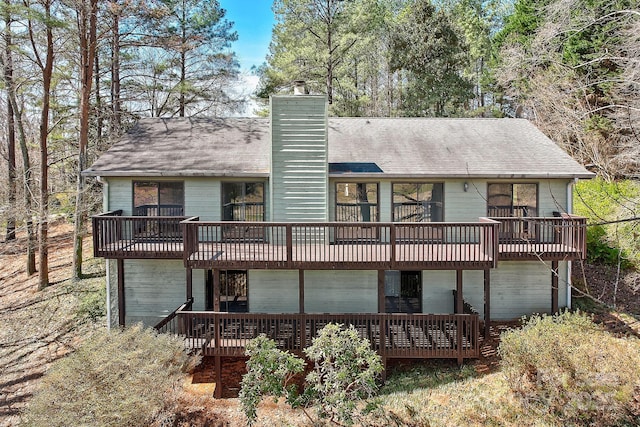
column 602, row 201
column 269, row 372
column 344, row 373
column 599, row 251
column 113, row 379
column 573, row 369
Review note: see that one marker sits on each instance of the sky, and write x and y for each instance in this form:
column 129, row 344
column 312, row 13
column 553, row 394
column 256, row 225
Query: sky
column 253, row 20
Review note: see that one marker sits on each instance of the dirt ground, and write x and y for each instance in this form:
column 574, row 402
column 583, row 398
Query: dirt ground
column 39, row 327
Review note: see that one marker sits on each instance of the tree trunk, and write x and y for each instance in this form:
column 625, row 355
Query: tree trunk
column 183, row 60
column 43, row 243
column 116, row 120
column 99, row 117
column 22, row 139
column 87, row 20
column 11, row 136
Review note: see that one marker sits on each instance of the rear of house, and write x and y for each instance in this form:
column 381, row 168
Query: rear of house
column 413, row 230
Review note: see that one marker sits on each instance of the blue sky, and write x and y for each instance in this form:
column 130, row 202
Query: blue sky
column 253, row 20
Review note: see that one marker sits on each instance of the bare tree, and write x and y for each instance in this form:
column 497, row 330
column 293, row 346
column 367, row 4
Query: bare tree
column 46, row 68
column 18, row 123
column 86, row 15
column 11, row 134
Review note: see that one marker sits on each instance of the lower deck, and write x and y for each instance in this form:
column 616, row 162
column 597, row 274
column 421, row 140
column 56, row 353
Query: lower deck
column 454, row 336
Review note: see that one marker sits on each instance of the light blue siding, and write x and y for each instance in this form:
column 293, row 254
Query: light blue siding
column 341, row 291
column 154, row 288
column 273, row 291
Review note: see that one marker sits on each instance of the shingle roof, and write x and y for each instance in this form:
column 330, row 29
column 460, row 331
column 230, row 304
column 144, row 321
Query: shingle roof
column 400, row 147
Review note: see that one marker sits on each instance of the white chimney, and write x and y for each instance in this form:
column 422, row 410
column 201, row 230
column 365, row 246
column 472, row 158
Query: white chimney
column 300, row 88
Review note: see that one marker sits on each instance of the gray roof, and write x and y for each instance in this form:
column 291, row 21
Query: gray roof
column 400, row 147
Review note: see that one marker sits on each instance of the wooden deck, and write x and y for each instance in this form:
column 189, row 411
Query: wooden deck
column 262, row 245
column 340, row 256
column 391, row 335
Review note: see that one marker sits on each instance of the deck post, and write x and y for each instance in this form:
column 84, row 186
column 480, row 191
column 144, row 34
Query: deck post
column 381, row 307
column 216, row 289
column 554, row 287
column 383, row 375
column 301, row 291
column 121, row 301
column 189, row 283
column 459, row 333
column 487, row 304
column 459, row 296
column 218, row 391
column 289, row 242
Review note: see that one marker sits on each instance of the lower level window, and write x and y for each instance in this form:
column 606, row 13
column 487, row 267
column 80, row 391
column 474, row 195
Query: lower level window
column 234, row 295
column 403, row 291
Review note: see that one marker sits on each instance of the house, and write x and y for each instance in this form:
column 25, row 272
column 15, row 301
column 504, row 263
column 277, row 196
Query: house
column 414, row 230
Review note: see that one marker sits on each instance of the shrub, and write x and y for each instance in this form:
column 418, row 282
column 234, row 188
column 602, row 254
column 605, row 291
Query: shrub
column 600, row 201
column 269, row 372
column 572, row 368
column 112, row 379
column 345, row 372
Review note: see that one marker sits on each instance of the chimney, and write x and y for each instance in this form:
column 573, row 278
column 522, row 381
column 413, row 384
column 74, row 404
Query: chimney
column 299, row 178
column 300, row 88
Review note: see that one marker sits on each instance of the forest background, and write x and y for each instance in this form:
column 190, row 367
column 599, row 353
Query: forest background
column 77, row 74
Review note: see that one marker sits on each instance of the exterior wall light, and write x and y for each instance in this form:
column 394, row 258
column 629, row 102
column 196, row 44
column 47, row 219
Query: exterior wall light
column 465, row 186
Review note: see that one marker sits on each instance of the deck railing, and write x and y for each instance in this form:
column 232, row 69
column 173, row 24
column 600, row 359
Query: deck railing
column 116, row 236
column 342, row 245
column 525, row 237
column 391, row 335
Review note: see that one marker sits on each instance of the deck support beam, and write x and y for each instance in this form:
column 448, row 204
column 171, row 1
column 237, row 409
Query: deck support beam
column 554, row 286
column 381, row 304
column 216, row 289
column 487, row 304
column 218, row 391
column 459, row 295
column 121, row 300
column 189, row 283
column 301, row 291
column 459, row 310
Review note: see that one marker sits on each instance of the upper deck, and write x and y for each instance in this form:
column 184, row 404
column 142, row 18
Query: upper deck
column 338, row 245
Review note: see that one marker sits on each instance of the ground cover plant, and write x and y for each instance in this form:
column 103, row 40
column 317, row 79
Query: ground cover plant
column 117, row 378
column 573, row 369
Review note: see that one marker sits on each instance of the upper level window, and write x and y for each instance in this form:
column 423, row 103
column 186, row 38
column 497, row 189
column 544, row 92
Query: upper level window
column 356, row 202
column 158, row 198
column 418, row 202
column 243, row 201
column 512, row 200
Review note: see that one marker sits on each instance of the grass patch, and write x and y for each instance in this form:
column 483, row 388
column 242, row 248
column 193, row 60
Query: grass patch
column 425, row 376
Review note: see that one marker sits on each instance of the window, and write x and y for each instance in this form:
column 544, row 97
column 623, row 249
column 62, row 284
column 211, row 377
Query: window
column 161, row 198
column 418, row 202
column 356, row 202
column 512, row 200
column 233, row 291
column 243, row 201
column 403, row 291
